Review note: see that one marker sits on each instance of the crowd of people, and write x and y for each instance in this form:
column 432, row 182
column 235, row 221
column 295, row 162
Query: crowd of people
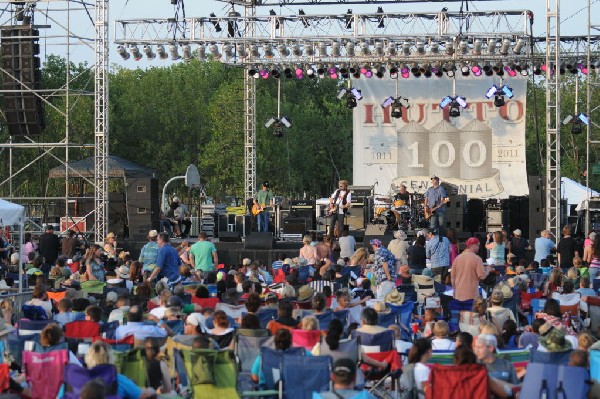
column 176, row 291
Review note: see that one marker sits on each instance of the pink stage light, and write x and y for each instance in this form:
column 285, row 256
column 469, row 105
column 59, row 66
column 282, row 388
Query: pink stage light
column 476, row 69
column 405, row 73
column 368, row 73
column 333, row 73
column 299, row 73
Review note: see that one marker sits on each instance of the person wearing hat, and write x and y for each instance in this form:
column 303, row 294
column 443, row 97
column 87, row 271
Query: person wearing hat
column 517, row 245
column 49, row 246
column 343, row 375
column 203, row 254
column 399, row 247
column 498, row 313
column 395, row 298
column 467, row 271
column 182, row 216
column 149, row 252
column 262, row 200
column 384, row 268
column 339, row 203
column 435, row 204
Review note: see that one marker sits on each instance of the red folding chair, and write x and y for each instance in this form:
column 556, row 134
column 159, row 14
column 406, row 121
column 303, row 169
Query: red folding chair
column 306, row 339
column 206, row 302
column 279, row 276
column 526, row 298
column 82, row 329
column 44, row 372
column 275, row 326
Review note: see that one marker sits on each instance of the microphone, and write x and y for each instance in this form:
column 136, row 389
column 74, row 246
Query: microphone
column 376, row 182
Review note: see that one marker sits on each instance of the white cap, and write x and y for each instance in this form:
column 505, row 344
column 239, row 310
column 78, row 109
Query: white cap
column 246, row 262
column 175, row 199
column 112, row 297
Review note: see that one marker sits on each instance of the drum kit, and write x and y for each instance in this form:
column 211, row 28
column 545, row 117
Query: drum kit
column 400, row 214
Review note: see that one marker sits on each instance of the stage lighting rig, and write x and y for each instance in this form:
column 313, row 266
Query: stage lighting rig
column 352, row 94
column 577, row 122
column 455, row 104
column 498, row 93
column 278, row 125
column 215, row 22
column 396, row 105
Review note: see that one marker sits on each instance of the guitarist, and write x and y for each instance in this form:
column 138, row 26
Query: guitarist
column 435, row 205
column 339, row 202
column 262, row 200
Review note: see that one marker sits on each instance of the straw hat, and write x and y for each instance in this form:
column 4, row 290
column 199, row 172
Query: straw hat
column 123, row 272
column 506, row 291
column 381, row 307
column 305, row 293
column 246, row 261
column 395, row 297
column 400, row 235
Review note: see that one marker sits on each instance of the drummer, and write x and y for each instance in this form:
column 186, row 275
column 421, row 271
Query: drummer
column 400, row 200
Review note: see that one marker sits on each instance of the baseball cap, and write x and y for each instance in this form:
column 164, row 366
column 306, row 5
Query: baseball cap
column 344, row 367
column 246, row 261
column 175, row 301
column 196, row 319
column 517, row 232
column 152, row 233
column 472, row 241
column 112, row 297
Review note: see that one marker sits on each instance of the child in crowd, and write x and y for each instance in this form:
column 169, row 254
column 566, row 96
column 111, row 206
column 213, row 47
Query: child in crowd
column 65, row 312
column 428, row 322
column 578, row 264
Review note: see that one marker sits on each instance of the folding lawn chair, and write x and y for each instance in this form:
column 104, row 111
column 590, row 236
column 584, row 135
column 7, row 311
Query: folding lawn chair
column 18, row 343
column 303, row 375
column 76, row 377
column 81, row 331
column 233, row 311
column 458, row 382
column 132, row 364
column 404, row 315
column 44, row 372
column 518, row 357
column 306, row 339
column 559, row 381
column 386, row 319
column 246, row 348
column 212, row 373
column 526, row 299
column 550, row 357
column 380, row 342
column 29, row 327
column 441, row 357
column 206, row 302
column 266, row 315
column 538, row 280
column 32, row 312
column 272, row 369
column 455, row 307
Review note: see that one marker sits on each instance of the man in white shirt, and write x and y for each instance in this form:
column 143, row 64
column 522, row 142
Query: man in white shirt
column 140, row 331
column 347, row 244
column 339, row 203
column 568, row 296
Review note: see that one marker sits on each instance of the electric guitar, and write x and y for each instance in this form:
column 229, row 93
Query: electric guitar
column 429, row 212
column 332, row 210
column 256, row 209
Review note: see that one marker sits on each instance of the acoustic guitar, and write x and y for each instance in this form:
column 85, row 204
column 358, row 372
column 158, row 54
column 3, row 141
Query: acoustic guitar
column 429, row 212
column 256, row 209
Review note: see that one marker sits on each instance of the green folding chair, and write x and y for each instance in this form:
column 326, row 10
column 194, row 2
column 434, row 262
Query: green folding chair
column 212, row 373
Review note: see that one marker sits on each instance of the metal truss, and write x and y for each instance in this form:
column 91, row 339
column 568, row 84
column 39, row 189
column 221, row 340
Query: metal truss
column 553, row 59
column 101, row 121
column 249, row 122
column 271, row 3
column 53, row 19
column 591, row 111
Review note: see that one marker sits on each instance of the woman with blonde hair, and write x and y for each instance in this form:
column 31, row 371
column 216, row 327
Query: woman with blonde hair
column 110, row 245
column 308, row 251
column 309, row 323
column 440, row 334
column 555, row 282
column 94, row 267
column 101, row 353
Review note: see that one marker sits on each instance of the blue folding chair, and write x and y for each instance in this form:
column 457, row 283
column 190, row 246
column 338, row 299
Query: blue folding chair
column 177, row 326
column 595, row 365
column 386, row 319
column 538, row 280
column 373, row 343
column 108, row 329
column 537, row 305
column 266, row 315
column 550, row 357
column 17, row 344
column 272, row 365
column 341, row 315
column 303, row 375
column 32, row 312
column 596, row 284
column 29, row 327
column 404, row 315
column 512, row 303
column 455, row 308
column 324, row 319
column 410, row 293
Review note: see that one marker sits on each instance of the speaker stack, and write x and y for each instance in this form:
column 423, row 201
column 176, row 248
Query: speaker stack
column 20, row 59
column 537, row 216
column 455, row 212
column 301, row 217
column 361, row 199
column 143, row 209
column 474, row 216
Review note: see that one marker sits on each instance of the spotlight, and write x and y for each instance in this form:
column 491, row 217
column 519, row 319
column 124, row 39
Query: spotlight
column 162, row 53
column 232, row 26
column 463, row 47
column 508, row 92
column 350, row 49
column 275, row 72
column 123, row 52
column 288, row 73
column 367, row 72
column 380, row 72
column 449, row 48
column 299, row 72
column 415, row 70
column 454, row 110
column 434, row 48
column 253, row 72
column 477, row 45
column 445, row 101
column 576, row 127
column 348, row 18
column 396, row 106
column 321, row 71
column 584, row 118
column 405, row 72
column 351, row 102
column 379, row 48
column 214, row 50
column 201, row 52
column 499, row 101
column 455, row 104
column 213, row 20
column 352, row 96
column 519, row 46
column 323, row 49
column 487, row 69
column 149, row 53
column 391, row 49
column 420, row 47
column 187, row 52
column 309, row 49
column 297, row 50
column 241, row 50
column 393, row 72
column 344, row 71
column 364, row 48
column 278, row 129
column 268, row 50
column 303, row 19
column 333, row 72
column 427, row 73
column 464, row 70
column 491, row 46
column 450, row 72
column 504, row 47
column 336, row 49
column 264, row 73
column 381, row 18
column 278, row 125
column 406, row 48
column 254, row 51
column 511, row 72
column 476, row 69
column 174, row 52
column 491, row 91
column 310, row 73
column 283, row 50
column 135, row 52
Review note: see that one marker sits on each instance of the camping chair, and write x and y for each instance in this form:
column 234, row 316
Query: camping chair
column 595, row 365
column 306, row 339
column 386, row 319
column 526, row 299
column 512, row 303
column 265, row 315
column 404, row 315
column 550, row 357
column 76, row 377
column 594, row 315
column 561, row 381
column 233, row 311
column 56, row 296
column 410, row 293
column 132, row 364
column 455, row 307
column 29, row 327
column 4, row 377
column 81, row 331
column 272, row 369
column 537, row 305
column 176, row 325
column 38, row 348
column 275, row 326
column 518, row 357
column 18, row 343
column 205, row 302
column 212, row 373
column 425, row 287
column 246, row 348
column 303, row 375
column 108, row 329
column 175, row 360
column 118, row 345
column 538, row 280
column 380, row 342
column 223, row 340
column 441, row 357
column 44, row 372
column 458, row 381
column 32, row 312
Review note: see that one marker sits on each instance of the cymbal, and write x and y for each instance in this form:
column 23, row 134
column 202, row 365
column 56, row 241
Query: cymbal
column 383, row 199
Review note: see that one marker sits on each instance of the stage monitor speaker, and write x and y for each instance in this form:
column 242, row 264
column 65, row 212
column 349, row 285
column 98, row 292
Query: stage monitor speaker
column 356, row 218
column 259, row 240
column 229, row 236
column 294, row 226
column 378, row 231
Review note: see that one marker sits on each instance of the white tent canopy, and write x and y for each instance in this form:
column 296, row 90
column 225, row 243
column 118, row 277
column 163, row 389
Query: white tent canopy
column 11, row 214
column 575, row 193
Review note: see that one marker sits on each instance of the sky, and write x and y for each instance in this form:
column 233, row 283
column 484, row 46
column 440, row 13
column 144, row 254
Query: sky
column 573, row 16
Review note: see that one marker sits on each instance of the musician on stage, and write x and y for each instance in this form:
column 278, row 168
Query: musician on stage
column 339, row 203
column 262, row 200
column 401, row 198
column 435, row 205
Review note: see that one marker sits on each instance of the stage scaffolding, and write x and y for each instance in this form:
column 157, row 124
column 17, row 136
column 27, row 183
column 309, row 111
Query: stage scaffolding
column 55, row 21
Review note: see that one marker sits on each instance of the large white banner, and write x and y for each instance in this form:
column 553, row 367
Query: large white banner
column 481, row 152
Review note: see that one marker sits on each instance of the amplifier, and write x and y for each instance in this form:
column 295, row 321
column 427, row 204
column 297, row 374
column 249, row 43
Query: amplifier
column 361, row 191
column 294, row 226
column 302, row 204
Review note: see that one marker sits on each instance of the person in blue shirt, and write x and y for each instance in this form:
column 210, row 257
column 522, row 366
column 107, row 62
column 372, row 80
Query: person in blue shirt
column 543, row 246
column 167, row 261
column 435, row 201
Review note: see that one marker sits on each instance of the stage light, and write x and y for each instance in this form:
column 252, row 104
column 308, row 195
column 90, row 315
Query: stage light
column 427, row 73
column 487, row 69
column 187, row 52
column 379, row 48
column 476, row 69
column 174, row 52
column 135, row 52
column 434, row 48
column 525, row 70
column 214, row 50
column 387, row 102
column 519, row 46
column 561, row 69
column 450, row 72
column 396, row 110
column 393, row 72
column 352, row 96
column 348, row 18
column 391, row 49
column 437, row 72
column 241, row 50
column 333, row 72
column 123, row 52
column 254, row 51
column 272, row 12
column 268, row 50
column 405, row 72
column 288, row 73
column 364, row 48
column 275, row 72
column 278, row 129
column 508, row 92
column 511, row 72
column 278, row 125
column 381, row 18
column 353, row 70
column 323, row 49
column 344, row 71
column 445, row 101
column 336, row 50
column 463, row 46
column 309, row 49
column 366, row 71
column 499, row 101
column 491, row 48
column 299, row 73
column 477, row 45
column 162, row 53
column 537, row 69
column 454, row 110
column 504, row 47
column 283, row 50
column 464, row 70
column 415, row 70
column 264, row 73
column 321, row 70
column 228, row 50
column 149, row 53
column 350, row 49
column 297, row 50
column 406, row 48
column 213, row 20
column 380, row 72
column 356, row 93
column 310, row 73
column 303, row 19
column 449, row 48
column 461, row 101
column 584, row 118
column 491, row 91
column 420, row 47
